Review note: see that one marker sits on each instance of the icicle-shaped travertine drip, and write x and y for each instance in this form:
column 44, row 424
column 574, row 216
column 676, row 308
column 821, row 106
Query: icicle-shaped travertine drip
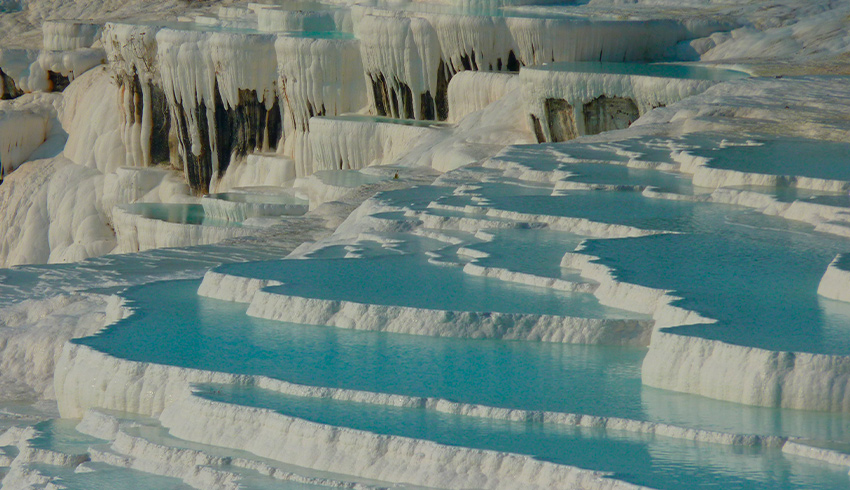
column 131, row 51
column 351, row 143
column 401, row 58
column 318, row 77
column 480, row 43
column 472, row 91
column 66, row 35
column 541, row 40
column 222, row 94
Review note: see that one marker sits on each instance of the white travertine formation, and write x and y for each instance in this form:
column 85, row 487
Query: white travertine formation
column 472, row 91
column 835, row 283
column 136, row 233
column 67, row 35
column 352, row 143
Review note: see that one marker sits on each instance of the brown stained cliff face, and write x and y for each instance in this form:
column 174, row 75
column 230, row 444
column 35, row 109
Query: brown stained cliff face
column 8, row 88
column 134, row 107
column 608, row 114
column 236, row 131
column 560, row 118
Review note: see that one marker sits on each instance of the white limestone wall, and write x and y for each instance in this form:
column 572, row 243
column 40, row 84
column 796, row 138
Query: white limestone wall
column 257, row 169
column 404, row 50
column 835, row 283
column 21, row 132
column 352, row 144
column 93, row 117
column 440, row 323
column 66, row 35
column 544, row 40
column 747, row 374
column 136, row 233
column 579, row 89
column 471, row 91
column 387, row 458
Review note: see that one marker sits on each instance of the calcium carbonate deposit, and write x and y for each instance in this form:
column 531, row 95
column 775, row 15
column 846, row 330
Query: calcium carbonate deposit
column 440, row 244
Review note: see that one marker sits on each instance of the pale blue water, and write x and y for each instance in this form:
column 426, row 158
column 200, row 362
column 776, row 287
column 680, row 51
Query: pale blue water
column 183, row 329
column 416, row 198
column 9, row 6
column 593, row 173
column 791, row 194
column 174, row 326
column 41, row 281
column 584, row 161
column 347, row 178
column 659, row 462
column 410, row 280
column 185, row 214
column 662, row 70
column 532, row 251
column 756, row 274
column 784, row 156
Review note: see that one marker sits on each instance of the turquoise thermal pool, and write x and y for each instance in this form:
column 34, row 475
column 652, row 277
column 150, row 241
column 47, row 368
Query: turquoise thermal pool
column 662, row 70
column 184, row 214
column 717, row 252
column 183, row 329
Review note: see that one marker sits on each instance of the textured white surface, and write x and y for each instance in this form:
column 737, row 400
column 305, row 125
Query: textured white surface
column 21, row 132
column 748, row 375
column 389, row 458
column 835, row 283
column 343, row 144
column 68, row 35
column 136, row 233
column 471, row 91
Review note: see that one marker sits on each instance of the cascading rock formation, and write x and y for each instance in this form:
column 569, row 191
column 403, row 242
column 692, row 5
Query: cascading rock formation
column 444, row 244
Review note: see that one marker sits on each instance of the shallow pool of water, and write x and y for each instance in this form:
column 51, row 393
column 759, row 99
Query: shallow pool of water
column 183, row 329
column 661, row 70
column 783, row 156
column 756, row 274
column 412, row 281
column 658, row 462
column 184, row 214
column 347, row 178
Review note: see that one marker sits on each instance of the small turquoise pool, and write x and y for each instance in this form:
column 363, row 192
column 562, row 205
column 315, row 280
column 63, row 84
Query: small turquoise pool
column 412, row 281
column 661, row 70
column 175, row 326
column 184, row 214
column 347, row 178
